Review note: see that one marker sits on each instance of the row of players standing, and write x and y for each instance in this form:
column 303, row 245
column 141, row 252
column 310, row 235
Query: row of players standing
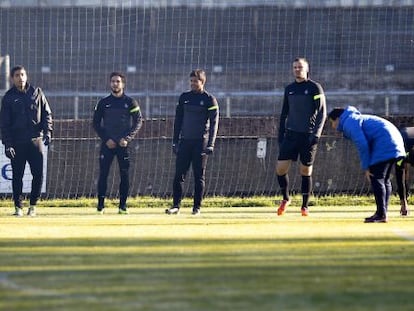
column 117, row 119
column 26, row 126
column 26, row 121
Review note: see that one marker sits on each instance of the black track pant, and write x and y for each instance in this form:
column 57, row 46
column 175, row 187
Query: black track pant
column 402, row 184
column 105, row 160
column 190, row 153
column 30, row 152
column 381, row 185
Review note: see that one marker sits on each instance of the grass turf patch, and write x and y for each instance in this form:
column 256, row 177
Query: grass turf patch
column 224, row 259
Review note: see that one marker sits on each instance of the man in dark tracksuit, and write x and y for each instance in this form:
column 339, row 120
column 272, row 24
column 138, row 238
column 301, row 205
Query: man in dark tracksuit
column 26, row 120
column 301, row 122
column 402, row 168
column 117, row 119
column 195, row 131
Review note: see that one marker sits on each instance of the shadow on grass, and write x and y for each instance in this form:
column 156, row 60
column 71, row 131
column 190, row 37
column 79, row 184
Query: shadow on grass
column 301, row 273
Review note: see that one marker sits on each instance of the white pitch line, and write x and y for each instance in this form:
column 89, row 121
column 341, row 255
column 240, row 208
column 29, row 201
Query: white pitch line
column 7, row 283
column 403, row 234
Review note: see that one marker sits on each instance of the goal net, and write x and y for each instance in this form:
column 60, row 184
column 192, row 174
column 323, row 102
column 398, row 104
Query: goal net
column 360, row 51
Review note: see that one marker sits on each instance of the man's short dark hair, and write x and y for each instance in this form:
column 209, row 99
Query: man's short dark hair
column 200, row 74
column 118, row 74
column 301, row 59
column 335, row 113
column 16, row 68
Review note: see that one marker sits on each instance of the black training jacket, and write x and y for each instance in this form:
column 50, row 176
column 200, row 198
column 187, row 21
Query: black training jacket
column 24, row 116
column 196, row 117
column 304, row 108
column 117, row 117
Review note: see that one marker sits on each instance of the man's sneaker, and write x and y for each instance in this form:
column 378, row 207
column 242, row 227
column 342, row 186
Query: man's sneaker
column 18, row 212
column 282, row 207
column 31, row 211
column 371, row 217
column 123, row 211
column 304, row 211
column 100, row 210
column 376, row 218
column 172, row 210
column 196, row 211
column 404, row 212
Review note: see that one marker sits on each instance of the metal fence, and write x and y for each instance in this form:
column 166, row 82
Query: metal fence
column 79, row 105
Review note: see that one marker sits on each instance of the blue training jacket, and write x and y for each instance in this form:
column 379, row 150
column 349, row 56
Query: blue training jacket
column 376, row 139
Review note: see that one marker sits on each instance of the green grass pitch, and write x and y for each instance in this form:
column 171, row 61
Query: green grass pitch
column 225, row 259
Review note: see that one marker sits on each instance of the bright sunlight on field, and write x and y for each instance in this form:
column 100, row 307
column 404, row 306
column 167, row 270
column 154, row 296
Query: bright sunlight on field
column 225, row 259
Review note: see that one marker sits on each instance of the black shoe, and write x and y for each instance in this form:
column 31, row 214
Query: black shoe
column 376, row 218
column 175, row 210
column 404, row 212
column 371, row 217
column 196, row 211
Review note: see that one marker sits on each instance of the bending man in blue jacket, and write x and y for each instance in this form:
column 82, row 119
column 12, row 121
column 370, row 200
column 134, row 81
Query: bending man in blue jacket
column 379, row 144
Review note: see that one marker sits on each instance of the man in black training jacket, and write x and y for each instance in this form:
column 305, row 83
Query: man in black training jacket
column 301, row 122
column 195, row 131
column 26, row 125
column 117, row 119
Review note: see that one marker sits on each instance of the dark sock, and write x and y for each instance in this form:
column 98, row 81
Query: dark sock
column 306, row 186
column 122, row 203
column 101, row 202
column 284, row 185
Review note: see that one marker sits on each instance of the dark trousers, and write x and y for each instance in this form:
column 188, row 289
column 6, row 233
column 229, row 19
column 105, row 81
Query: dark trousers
column 105, row 160
column 30, row 152
column 190, row 153
column 402, row 184
column 381, row 185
